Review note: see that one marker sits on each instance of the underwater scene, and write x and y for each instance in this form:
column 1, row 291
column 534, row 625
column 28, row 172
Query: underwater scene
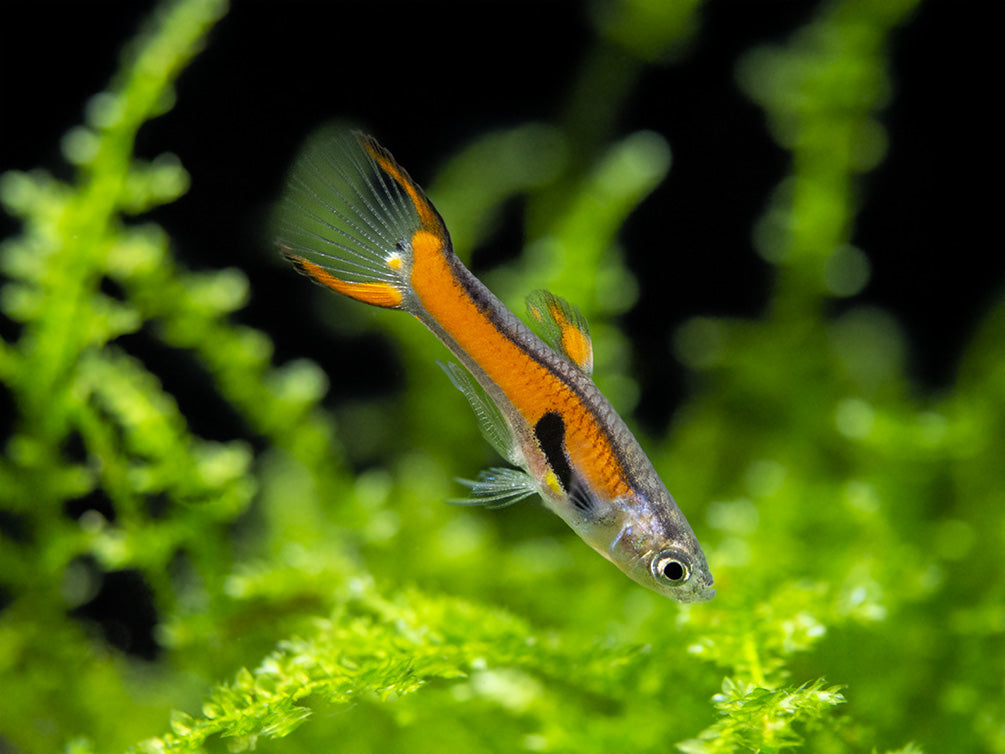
column 692, row 442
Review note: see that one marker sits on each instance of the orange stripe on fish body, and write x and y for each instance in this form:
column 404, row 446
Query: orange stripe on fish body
column 532, row 387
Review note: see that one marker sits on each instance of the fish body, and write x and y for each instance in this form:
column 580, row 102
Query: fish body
column 355, row 222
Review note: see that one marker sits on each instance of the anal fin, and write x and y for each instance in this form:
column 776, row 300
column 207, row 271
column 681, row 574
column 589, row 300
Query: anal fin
column 490, row 419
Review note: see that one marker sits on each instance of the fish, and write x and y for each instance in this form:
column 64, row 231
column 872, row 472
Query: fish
column 352, row 220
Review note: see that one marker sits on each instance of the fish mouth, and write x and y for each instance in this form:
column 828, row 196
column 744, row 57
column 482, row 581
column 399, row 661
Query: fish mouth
column 700, row 591
column 704, row 595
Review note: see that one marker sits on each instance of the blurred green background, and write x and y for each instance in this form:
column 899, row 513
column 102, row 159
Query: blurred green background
column 221, row 516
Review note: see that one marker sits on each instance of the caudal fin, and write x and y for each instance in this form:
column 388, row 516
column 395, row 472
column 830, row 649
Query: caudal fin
column 348, row 217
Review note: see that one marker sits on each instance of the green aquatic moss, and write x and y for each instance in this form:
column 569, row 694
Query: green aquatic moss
column 854, row 523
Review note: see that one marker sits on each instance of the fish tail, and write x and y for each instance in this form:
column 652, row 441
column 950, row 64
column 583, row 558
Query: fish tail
column 352, row 219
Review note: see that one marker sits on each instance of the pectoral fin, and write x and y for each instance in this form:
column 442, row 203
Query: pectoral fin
column 497, row 488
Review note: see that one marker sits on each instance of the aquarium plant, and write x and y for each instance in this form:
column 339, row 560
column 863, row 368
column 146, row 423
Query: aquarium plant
column 287, row 596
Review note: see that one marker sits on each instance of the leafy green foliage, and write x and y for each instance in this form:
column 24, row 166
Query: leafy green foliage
column 853, row 524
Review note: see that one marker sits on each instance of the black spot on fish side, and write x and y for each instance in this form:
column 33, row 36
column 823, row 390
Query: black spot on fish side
column 550, row 434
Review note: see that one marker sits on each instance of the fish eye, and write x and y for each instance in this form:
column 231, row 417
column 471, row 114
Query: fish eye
column 671, row 567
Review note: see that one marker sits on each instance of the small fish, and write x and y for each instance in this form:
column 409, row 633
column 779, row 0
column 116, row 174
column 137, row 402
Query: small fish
column 354, row 221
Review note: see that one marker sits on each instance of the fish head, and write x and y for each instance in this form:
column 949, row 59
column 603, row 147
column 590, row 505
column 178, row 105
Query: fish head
column 655, row 547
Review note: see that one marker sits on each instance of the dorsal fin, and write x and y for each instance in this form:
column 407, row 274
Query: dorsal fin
column 563, row 327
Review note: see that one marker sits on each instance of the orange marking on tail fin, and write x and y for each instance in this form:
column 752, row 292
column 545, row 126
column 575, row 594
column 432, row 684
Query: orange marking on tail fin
column 377, row 294
column 430, row 217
